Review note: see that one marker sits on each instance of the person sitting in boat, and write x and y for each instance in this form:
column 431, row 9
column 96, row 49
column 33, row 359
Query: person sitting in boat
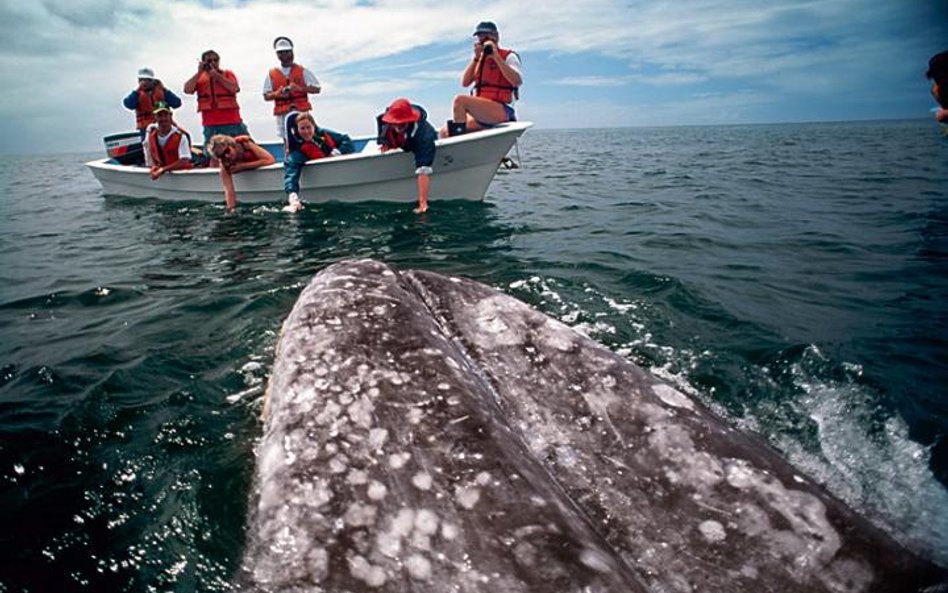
column 233, row 155
column 167, row 147
column 289, row 85
column 938, row 74
column 142, row 99
column 306, row 141
column 405, row 125
column 496, row 75
column 217, row 98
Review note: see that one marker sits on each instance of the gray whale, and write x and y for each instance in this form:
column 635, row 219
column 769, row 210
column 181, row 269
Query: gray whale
column 429, row 434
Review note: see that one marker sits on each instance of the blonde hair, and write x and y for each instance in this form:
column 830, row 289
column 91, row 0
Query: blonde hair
column 218, row 142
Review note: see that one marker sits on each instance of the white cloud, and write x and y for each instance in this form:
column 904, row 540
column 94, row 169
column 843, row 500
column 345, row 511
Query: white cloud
column 85, row 54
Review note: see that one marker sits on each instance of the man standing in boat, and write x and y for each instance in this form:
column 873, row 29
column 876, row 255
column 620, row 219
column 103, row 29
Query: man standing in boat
column 496, row 75
column 217, row 97
column 142, row 99
column 167, row 147
column 289, row 85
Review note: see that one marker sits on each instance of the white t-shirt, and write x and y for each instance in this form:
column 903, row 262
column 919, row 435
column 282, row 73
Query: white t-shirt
column 308, row 78
column 184, row 149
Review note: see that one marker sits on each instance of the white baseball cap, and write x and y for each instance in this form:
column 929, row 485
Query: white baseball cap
column 283, row 44
column 146, row 73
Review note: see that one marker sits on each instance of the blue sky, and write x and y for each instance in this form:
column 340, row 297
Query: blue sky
column 586, row 64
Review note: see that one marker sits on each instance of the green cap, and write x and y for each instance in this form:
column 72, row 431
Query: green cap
column 161, row 106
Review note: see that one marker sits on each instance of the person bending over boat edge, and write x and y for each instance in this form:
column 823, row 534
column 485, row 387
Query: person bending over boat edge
column 306, row 141
column 145, row 97
column 496, row 75
column 167, row 147
column 938, row 74
column 289, row 85
column 236, row 155
column 217, row 98
column 405, row 125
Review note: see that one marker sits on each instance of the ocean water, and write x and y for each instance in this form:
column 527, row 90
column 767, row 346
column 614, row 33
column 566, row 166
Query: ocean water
column 792, row 277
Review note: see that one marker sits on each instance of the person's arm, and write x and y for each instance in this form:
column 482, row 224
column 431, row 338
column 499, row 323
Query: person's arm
column 190, row 87
column 263, row 159
column 343, row 142
column 173, row 100
column 467, row 79
column 131, row 101
column 226, row 79
column 311, row 83
column 510, row 73
column 424, row 182
column 230, row 195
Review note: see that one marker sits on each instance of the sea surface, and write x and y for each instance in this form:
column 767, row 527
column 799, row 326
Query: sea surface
column 792, row 277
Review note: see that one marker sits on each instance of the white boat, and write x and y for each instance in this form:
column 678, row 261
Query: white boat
column 463, row 168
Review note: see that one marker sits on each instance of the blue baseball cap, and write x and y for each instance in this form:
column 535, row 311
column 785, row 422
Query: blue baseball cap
column 486, row 28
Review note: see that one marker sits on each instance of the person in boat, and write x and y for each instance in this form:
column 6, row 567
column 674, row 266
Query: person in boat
column 233, row 155
column 938, row 74
column 405, row 125
column 167, row 147
column 496, row 75
column 288, row 86
column 217, row 98
column 306, row 141
column 145, row 96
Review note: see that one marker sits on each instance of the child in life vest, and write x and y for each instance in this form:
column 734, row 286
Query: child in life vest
column 305, row 141
column 405, row 126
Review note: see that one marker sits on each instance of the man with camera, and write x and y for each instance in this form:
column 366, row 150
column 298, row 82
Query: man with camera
column 496, row 76
column 217, row 97
column 289, row 85
column 145, row 96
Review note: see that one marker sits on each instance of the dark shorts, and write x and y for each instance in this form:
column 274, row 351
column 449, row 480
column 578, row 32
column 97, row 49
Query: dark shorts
column 230, row 129
column 511, row 116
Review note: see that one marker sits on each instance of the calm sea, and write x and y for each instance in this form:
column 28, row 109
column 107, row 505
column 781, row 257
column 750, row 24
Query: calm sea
column 793, row 277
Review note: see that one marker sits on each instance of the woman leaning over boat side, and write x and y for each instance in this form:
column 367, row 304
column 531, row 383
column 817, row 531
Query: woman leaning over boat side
column 405, row 126
column 236, row 155
column 306, row 141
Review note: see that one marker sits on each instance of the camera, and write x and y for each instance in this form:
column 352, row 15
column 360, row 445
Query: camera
column 206, row 65
column 488, row 50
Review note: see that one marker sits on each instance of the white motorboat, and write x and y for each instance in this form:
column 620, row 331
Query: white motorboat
column 463, row 169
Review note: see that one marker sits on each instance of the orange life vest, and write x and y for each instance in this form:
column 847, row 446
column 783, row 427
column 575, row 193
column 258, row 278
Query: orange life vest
column 491, row 84
column 295, row 100
column 318, row 148
column 146, row 104
column 167, row 154
column 247, row 155
column 212, row 95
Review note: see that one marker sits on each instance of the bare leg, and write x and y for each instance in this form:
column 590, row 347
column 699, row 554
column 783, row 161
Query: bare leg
column 475, row 109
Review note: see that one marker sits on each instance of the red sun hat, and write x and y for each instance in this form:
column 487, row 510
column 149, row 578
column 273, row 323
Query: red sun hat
column 401, row 112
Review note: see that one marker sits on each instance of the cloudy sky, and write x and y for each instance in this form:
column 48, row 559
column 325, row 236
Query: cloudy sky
column 593, row 63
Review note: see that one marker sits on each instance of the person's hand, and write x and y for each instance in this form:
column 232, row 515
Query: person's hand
column 385, row 148
column 156, row 172
column 478, row 50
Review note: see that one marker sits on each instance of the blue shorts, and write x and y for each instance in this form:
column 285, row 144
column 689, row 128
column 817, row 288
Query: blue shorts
column 230, row 129
column 511, row 116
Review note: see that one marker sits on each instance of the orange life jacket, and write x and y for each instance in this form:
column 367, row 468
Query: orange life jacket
column 167, row 154
column 144, row 112
column 491, row 84
column 295, row 100
column 318, row 148
column 247, row 155
column 212, row 95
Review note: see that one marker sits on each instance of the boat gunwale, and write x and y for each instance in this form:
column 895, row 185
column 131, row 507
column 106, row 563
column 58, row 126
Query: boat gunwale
column 502, row 129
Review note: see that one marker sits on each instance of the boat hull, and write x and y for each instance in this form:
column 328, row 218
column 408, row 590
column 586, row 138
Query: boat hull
column 463, row 169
